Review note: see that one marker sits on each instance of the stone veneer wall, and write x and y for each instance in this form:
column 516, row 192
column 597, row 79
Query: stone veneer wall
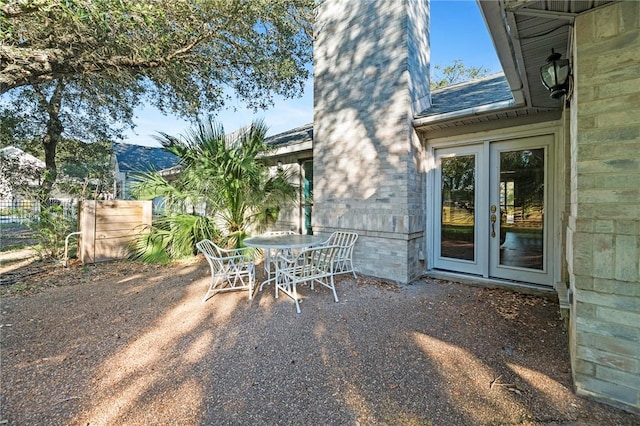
column 604, row 226
column 367, row 157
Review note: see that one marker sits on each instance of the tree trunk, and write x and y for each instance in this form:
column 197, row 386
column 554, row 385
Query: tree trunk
column 51, row 138
column 50, row 144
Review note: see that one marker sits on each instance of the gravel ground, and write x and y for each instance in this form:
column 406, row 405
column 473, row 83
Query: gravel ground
column 127, row 344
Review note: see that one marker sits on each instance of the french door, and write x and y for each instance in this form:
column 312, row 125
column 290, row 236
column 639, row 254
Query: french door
column 490, row 205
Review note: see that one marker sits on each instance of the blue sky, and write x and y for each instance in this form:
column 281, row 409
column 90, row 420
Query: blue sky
column 458, row 31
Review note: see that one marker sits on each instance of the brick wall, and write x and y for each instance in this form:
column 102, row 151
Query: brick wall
column 604, row 226
column 367, row 157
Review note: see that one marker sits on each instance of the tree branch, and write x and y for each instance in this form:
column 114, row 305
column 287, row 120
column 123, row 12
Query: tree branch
column 20, row 66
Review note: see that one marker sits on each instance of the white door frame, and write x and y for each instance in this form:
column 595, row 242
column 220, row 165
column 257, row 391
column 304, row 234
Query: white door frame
column 556, row 193
column 543, row 276
column 477, row 265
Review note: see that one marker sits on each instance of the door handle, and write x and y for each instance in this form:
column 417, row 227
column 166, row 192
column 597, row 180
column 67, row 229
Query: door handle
column 493, row 221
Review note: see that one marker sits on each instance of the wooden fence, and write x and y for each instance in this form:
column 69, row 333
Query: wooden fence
column 108, row 228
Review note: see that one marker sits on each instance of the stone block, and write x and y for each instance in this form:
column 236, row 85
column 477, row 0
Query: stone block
column 618, row 316
column 622, row 79
column 617, row 181
column 613, row 300
column 604, row 105
column 628, row 115
column 627, row 258
column 628, row 227
column 584, row 226
column 591, row 386
column 618, row 377
column 617, row 346
column 607, row 196
column 583, row 367
column 629, row 16
column 608, row 23
column 621, row 288
column 599, row 357
column 619, row 211
column 603, row 328
column 586, row 339
column 583, row 254
column 603, row 256
column 602, row 226
column 607, row 135
column 585, row 29
column 585, row 311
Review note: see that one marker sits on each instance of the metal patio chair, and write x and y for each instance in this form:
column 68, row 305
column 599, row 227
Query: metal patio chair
column 231, row 269
column 312, row 265
column 343, row 262
column 270, row 255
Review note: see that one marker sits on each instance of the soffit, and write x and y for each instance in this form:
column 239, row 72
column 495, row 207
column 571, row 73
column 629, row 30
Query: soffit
column 525, row 31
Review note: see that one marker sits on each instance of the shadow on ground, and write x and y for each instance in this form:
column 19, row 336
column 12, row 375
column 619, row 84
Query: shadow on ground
column 124, row 343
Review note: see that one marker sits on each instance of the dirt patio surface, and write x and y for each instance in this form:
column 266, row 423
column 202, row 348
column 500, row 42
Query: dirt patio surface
column 128, row 344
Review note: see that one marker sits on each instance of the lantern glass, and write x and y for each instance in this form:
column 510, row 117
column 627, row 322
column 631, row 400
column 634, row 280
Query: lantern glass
column 555, row 74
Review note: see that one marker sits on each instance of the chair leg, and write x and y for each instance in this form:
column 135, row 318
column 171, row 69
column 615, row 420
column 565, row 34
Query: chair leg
column 333, row 288
column 211, row 290
column 295, row 297
column 267, row 262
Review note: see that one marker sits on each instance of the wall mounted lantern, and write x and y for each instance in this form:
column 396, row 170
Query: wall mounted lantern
column 279, row 165
column 555, row 75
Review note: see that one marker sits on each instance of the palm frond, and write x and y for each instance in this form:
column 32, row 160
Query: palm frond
column 224, row 180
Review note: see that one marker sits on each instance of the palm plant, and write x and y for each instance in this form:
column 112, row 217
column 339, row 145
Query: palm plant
column 224, row 179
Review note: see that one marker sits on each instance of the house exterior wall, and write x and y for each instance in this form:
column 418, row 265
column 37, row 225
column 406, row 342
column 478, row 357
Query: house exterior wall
column 604, row 225
column 291, row 159
column 367, row 156
column 289, row 217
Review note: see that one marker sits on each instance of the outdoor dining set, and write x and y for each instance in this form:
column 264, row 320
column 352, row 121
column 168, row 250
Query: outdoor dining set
column 289, row 259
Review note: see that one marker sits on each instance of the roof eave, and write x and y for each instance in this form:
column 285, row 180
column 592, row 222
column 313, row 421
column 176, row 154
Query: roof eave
column 495, row 21
column 467, row 112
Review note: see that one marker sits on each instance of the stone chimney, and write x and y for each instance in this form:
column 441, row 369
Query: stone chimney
column 371, row 76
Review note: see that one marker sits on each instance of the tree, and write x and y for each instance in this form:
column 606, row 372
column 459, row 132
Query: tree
column 86, row 169
column 456, row 72
column 20, row 174
column 224, row 187
column 82, row 67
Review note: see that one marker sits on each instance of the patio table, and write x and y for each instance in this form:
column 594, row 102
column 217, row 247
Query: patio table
column 285, row 243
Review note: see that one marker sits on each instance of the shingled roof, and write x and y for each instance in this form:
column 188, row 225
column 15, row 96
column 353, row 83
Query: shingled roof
column 136, row 158
column 458, row 97
column 470, row 94
column 292, row 137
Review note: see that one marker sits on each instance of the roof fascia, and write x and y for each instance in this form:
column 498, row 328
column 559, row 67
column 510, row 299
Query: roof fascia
column 545, row 14
column 496, row 21
column 291, row 149
column 468, row 112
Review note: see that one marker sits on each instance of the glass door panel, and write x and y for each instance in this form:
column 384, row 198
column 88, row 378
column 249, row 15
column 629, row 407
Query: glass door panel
column 519, row 232
column 491, row 204
column 457, row 209
column 458, row 239
column 522, row 208
column 307, row 196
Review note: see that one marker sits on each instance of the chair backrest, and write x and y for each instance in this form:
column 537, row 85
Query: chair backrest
column 345, row 240
column 270, row 233
column 311, row 260
column 211, row 252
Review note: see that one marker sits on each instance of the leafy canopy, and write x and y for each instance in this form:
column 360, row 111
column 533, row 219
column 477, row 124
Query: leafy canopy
column 181, row 53
column 455, row 72
column 78, row 69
